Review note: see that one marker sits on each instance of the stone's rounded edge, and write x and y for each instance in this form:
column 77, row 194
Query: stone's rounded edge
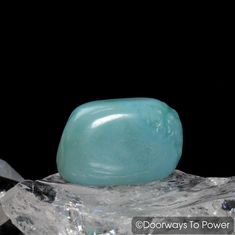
column 59, row 159
column 105, row 101
column 113, row 182
column 102, row 180
column 181, row 133
column 93, row 181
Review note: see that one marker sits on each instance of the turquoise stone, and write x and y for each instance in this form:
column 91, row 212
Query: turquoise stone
column 120, row 141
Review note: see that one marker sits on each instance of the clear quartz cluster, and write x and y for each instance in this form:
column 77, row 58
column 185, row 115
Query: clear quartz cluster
column 51, row 206
column 8, row 178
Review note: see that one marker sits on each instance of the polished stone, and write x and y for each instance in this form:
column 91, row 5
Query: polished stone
column 120, row 141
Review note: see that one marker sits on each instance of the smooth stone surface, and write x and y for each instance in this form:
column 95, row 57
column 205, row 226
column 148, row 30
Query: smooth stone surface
column 120, row 141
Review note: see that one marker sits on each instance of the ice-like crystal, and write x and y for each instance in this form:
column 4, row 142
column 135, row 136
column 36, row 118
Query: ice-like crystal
column 3, row 217
column 8, row 176
column 51, row 206
column 8, row 172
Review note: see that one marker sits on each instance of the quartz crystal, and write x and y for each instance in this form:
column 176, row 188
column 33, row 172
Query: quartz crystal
column 5, row 184
column 8, row 172
column 120, row 141
column 51, row 206
column 8, row 178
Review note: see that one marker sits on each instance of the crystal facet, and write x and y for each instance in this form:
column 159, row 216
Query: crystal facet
column 8, row 178
column 51, row 206
column 8, row 172
column 120, row 141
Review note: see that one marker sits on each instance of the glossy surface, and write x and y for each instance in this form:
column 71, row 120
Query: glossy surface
column 120, row 141
column 52, row 206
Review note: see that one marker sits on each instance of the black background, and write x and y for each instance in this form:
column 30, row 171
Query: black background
column 34, row 115
column 50, row 66
column 48, row 71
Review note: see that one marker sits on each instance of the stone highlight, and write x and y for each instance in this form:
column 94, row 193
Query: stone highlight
column 120, row 141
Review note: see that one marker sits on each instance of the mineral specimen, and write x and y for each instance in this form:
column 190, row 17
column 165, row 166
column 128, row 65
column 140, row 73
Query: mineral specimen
column 51, row 206
column 8, row 178
column 8, row 172
column 120, row 141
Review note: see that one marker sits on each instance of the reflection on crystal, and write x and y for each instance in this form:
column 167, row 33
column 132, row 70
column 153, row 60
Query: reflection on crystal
column 3, row 217
column 8, row 172
column 51, row 206
column 8, row 178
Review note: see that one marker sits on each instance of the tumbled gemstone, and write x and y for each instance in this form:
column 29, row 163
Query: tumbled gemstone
column 120, row 141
